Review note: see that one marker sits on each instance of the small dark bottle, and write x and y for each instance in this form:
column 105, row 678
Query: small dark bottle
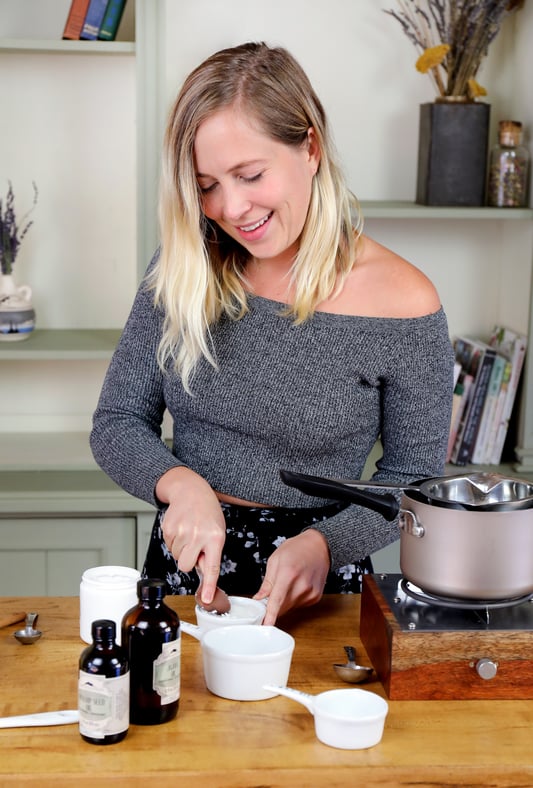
column 151, row 635
column 103, row 687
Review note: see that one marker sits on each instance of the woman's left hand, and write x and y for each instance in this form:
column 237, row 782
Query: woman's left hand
column 295, row 575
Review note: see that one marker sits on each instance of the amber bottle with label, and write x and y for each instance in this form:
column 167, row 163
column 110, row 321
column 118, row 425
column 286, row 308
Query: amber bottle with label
column 151, row 636
column 103, row 687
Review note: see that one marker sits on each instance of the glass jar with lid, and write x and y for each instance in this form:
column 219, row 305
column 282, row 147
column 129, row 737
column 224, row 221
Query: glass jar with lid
column 508, row 168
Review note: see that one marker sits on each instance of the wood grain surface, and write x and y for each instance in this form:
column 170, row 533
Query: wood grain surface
column 233, row 744
column 441, row 665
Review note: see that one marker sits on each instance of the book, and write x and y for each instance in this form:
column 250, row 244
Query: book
column 461, row 394
column 481, row 452
column 476, row 358
column 458, row 391
column 93, row 19
column 502, row 396
column 512, row 345
column 75, row 19
column 456, row 372
column 111, row 20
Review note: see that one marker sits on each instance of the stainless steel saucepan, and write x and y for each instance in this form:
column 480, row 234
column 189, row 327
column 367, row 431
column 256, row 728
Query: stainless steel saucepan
column 467, row 537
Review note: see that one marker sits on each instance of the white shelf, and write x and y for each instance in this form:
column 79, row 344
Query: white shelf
column 47, row 45
column 46, row 451
column 62, row 344
column 46, row 494
column 403, row 209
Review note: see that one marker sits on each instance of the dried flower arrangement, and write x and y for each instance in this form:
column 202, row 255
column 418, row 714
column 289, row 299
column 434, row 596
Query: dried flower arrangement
column 454, row 37
column 11, row 233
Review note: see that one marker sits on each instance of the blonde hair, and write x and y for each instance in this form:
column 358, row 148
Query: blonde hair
column 199, row 273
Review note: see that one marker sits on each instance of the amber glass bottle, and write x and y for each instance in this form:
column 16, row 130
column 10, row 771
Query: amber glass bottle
column 151, row 636
column 103, row 687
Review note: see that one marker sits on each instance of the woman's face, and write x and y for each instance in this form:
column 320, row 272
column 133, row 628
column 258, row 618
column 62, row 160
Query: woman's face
column 256, row 188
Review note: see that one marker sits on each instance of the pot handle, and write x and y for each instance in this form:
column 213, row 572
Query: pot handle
column 386, row 505
column 409, row 524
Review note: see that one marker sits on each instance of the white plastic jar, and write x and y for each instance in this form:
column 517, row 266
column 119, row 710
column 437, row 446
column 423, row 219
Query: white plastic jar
column 106, row 592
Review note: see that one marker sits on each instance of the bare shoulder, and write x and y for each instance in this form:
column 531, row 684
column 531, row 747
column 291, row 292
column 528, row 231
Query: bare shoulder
column 383, row 284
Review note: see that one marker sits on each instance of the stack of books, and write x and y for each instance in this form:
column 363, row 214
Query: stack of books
column 93, row 20
column 487, row 378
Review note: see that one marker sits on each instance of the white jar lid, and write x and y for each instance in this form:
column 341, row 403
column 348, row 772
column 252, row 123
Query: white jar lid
column 111, row 576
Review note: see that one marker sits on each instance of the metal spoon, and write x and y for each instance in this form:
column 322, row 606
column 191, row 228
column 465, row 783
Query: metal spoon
column 351, row 672
column 28, row 635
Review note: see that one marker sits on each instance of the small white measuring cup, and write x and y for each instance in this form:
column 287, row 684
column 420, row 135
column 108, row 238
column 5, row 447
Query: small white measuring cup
column 243, row 610
column 349, row 719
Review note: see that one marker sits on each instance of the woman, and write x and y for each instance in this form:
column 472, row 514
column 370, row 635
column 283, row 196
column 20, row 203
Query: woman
column 277, row 336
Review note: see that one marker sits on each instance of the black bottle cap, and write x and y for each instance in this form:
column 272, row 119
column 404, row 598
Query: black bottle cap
column 103, row 629
column 151, row 589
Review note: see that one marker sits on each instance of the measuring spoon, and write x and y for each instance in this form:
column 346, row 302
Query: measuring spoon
column 28, row 635
column 351, row 671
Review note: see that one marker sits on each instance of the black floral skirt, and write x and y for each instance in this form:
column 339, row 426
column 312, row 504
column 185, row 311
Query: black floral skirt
column 252, row 535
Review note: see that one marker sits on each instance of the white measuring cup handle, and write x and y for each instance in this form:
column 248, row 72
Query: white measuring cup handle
column 191, row 629
column 304, row 698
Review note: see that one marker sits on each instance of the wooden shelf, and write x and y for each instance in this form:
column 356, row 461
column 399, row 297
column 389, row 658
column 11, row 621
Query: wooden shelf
column 403, row 209
column 46, row 45
column 62, row 344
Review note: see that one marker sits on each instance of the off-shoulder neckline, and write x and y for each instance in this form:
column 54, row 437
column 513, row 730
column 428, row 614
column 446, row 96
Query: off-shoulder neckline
column 278, row 307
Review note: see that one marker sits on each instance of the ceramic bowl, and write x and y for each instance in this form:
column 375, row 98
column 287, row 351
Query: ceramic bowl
column 239, row 660
column 243, row 611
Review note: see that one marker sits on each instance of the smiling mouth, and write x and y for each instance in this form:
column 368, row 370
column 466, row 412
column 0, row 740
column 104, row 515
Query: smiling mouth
column 251, row 227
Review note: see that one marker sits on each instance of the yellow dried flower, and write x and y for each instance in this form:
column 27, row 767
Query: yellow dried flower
column 432, row 57
column 475, row 89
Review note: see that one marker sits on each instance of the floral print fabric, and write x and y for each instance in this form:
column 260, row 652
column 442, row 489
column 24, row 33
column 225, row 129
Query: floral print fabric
column 252, row 534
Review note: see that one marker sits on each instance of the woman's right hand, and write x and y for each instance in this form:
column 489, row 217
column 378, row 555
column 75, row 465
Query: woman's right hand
column 193, row 527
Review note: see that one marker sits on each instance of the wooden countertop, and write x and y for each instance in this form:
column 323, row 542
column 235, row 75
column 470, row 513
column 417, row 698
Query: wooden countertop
column 217, row 742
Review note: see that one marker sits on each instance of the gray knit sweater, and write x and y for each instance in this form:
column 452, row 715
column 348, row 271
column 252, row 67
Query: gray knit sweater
column 312, row 398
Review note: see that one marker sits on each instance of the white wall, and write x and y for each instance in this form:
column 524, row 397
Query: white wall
column 357, row 58
column 69, row 123
column 362, row 66
column 73, row 133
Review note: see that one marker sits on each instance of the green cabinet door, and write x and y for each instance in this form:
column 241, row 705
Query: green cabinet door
column 46, row 556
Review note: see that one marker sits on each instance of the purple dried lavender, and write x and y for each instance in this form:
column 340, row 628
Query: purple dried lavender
column 11, row 233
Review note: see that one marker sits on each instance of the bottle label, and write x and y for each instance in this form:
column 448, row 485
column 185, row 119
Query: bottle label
column 104, row 704
column 166, row 673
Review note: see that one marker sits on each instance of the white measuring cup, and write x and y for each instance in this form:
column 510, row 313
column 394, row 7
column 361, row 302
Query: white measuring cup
column 239, row 659
column 243, row 610
column 349, row 719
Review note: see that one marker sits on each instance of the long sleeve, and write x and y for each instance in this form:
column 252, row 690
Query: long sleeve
column 417, row 402
column 126, row 435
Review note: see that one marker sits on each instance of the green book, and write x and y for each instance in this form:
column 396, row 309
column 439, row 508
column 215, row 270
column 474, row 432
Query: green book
column 111, row 20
